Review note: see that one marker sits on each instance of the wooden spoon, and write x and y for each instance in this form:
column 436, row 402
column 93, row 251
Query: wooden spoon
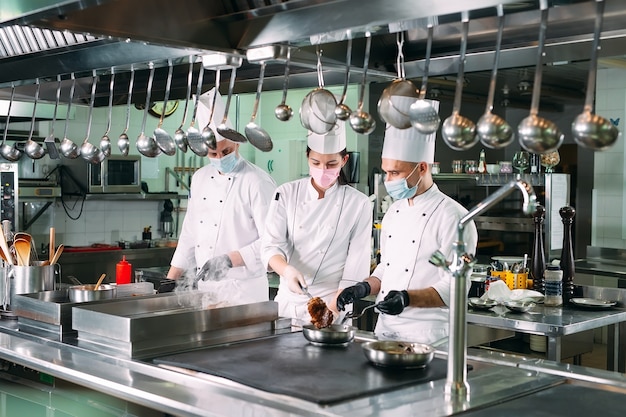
column 99, row 282
column 57, row 254
column 22, row 250
column 51, row 248
column 6, row 253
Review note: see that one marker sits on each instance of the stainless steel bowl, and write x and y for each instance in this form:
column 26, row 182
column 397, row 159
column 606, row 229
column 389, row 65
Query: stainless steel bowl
column 519, row 306
column 82, row 293
column 334, row 335
column 481, row 304
column 399, row 354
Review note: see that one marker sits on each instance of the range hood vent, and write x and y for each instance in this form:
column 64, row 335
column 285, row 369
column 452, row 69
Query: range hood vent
column 19, row 40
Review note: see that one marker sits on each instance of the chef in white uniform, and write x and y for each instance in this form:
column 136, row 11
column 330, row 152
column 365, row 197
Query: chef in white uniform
column 221, row 232
column 318, row 230
column 413, row 294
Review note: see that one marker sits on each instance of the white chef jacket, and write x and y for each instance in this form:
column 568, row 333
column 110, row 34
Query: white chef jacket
column 409, row 236
column 327, row 239
column 227, row 213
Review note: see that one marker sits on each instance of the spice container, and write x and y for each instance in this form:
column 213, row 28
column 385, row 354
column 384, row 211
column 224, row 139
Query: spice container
column 434, row 168
column 470, row 167
column 457, row 166
column 553, row 277
column 506, row 167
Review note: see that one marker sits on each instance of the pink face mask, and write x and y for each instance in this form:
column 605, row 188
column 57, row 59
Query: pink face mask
column 324, row 177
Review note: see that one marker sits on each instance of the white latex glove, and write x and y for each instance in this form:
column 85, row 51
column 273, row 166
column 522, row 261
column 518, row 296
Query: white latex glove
column 295, row 279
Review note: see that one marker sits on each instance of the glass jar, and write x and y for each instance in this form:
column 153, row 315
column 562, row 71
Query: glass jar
column 506, row 167
column 553, row 277
column 471, row 167
column 457, row 166
column 434, row 168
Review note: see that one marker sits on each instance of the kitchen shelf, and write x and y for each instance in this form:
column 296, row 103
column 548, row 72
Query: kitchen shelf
column 136, row 196
column 492, row 179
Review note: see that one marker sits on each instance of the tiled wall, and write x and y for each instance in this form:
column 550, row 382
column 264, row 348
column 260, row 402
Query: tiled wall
column 608, row 215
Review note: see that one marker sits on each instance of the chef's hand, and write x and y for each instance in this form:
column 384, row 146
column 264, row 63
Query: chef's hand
column 355, row 292
column 394, row 302
column 295, row 279
column 215, row 269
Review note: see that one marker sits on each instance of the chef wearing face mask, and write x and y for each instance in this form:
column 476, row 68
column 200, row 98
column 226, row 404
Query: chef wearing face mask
column 218, row 246
column 318, row 230
column 413, row 294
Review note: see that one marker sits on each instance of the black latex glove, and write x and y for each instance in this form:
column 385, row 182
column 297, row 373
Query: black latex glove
column 215, row 269
column 355, row 292
column 394, row 302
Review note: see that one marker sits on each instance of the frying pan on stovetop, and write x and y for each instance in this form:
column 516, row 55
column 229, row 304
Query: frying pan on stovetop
column 394, row 353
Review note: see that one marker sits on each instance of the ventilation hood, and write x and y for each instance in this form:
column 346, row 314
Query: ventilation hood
column 121, row 33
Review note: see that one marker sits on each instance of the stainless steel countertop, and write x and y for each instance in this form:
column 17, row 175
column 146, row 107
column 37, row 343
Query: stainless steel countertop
column 192, row 394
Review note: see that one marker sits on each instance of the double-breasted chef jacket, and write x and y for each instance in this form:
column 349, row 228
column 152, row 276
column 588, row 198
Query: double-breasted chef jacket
column 327, row 239
column 227, row 213
column 409, row 236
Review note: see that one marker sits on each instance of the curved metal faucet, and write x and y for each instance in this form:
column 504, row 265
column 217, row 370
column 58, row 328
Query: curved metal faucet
column 460, row 265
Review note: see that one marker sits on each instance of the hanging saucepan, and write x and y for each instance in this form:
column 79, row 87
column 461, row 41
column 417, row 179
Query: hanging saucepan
column 32, row 149
column 10, row 153
column 317, row 112
column 396, row 99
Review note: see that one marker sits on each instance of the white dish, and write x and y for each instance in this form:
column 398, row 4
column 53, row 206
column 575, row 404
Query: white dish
column 592, row 303
column 480, row 304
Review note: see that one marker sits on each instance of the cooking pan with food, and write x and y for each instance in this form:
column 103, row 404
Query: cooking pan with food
column 87, row 292
column 333, row 335
column 394, row 353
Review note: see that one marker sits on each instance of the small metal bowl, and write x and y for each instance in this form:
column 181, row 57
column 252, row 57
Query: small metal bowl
column 334, row 335
column 393, row 353
column 519, row 306
column 82, row 293
column 481, row 304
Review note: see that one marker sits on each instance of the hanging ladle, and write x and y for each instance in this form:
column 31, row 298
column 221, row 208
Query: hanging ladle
column 590, row 130
column 67, row 147
column 105, row 141
column 424, row 117
column 342, row 111
column 256, row 135
column 146, row 145
column 123, row 143
column 194, row 137
column 223, row 129
column 284, row 112
column 51, row 146
column 8, row 152
column 396, row 99
column 163, row 139
column 180, row 137
column 494, row 132
column 89, row 151
column 538, row 134
column 208, row 135
column 459, row 132
column 361, row 121
column 32, row 149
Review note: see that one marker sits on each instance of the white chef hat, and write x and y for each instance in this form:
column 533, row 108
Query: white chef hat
column 409, row 144
column 204, row 112
column 331, row 142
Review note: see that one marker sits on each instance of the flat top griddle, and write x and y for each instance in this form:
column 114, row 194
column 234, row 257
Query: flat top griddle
column 288, row 364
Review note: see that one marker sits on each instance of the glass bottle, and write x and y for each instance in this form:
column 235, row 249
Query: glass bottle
column 554, row 286
column 482, row 162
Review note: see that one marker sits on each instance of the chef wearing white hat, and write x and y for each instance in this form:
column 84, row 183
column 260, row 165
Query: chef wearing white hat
column 413, row 294
column 318, row 230
column 218, row 246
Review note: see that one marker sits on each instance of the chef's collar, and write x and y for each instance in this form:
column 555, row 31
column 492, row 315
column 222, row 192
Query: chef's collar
column 315, row 194
column 425, row 194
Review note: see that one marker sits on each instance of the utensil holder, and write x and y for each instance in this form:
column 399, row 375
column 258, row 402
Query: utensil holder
column 29, row 279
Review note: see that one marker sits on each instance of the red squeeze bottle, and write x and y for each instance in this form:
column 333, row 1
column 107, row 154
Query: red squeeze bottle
column 122, row 271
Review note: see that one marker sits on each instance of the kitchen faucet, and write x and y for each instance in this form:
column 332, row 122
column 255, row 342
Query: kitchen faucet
column 460, row 266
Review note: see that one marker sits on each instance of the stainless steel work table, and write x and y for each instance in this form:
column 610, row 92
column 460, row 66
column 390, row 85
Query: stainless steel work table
column 554, row 323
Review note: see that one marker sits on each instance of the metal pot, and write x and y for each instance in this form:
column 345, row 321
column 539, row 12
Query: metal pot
column 394, row 353
column 82, row 293
column 334, row 335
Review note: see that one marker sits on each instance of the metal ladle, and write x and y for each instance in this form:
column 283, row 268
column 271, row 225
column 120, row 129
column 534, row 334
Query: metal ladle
column 538, row 134
column 392, row 113
column 51, row 147
column 256, row 135
column 10, row 153
column 180, row 137
column 163, row 139
column 223, row 129
column 459, row 132
column 342, row 111
column 424, row 117
column 590, row 130
column 123, row 143
column 88, row 151
column 283, row 112
column 105, row 141
column 494, row 132
column 67, row 147
column 361, row 121
column 32, row 149
column 194, row 137
column 208, row 135
column 146, row 145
